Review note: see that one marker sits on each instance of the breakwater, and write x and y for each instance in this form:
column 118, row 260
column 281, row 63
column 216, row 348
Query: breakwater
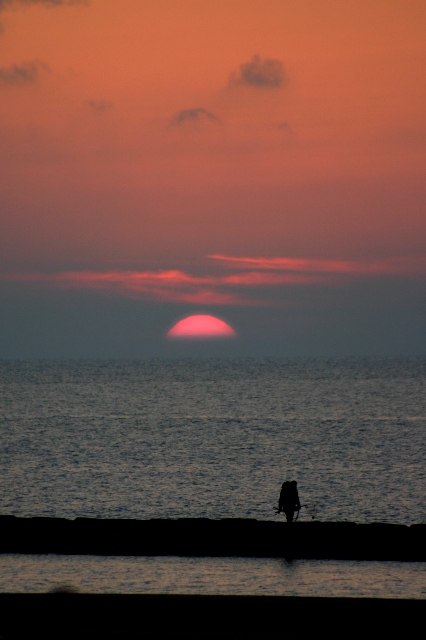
column 204, row 537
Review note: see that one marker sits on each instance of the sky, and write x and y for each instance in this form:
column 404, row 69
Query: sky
column 261, row 161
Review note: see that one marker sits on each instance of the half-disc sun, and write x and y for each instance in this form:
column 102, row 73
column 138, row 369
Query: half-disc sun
column 201, row 326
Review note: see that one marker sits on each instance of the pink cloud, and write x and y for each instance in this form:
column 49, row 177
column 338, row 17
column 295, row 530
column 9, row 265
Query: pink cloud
column 166, row 286
column 388, row 266
column 262, row 274
column 259, row 278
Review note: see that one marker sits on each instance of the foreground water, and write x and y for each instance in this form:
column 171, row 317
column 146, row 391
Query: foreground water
column 227, row 576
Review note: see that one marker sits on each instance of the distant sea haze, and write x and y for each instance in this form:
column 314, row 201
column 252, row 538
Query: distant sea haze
column 214, row 438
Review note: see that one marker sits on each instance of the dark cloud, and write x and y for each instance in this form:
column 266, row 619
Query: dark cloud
column 100, row 106
column 4, row 4
column 22, row 74
column 261, row 73
column 193, row 115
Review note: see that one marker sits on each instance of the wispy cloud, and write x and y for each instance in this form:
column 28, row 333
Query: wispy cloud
column 99, row 106
column 388, row 266
column 170, row 286
column 198, row 114
column 22, row 74
column 261, row 73
column 256, row 286
column 165, row 286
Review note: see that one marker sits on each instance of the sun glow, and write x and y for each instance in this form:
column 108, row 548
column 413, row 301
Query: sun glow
column 201, row 327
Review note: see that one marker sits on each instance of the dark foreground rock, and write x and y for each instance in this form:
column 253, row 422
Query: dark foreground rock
column 182, row 616
column 204, row 537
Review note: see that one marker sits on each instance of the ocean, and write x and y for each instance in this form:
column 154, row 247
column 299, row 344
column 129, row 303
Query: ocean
column 213, row 438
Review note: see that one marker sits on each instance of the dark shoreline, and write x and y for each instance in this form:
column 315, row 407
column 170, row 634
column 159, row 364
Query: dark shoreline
column 173, row 616
column 204, row 537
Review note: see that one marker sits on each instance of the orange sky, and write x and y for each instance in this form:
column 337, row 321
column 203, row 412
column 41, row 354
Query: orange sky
column 144, row 135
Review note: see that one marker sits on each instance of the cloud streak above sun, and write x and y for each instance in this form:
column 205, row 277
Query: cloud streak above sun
column 390, row 266
column 257, row 282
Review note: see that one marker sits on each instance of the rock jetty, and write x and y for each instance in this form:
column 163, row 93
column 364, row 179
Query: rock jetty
column 204, row 537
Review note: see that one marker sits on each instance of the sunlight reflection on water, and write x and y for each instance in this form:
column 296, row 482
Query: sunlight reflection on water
column 237, row 576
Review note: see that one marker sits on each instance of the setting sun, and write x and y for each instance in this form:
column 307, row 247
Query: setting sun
column 201, row 326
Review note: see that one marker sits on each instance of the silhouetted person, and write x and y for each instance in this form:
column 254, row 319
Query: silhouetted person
column 289, row 500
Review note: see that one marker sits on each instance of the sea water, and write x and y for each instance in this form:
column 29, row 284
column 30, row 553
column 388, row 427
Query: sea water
column 214, row 438
column 210, row 576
